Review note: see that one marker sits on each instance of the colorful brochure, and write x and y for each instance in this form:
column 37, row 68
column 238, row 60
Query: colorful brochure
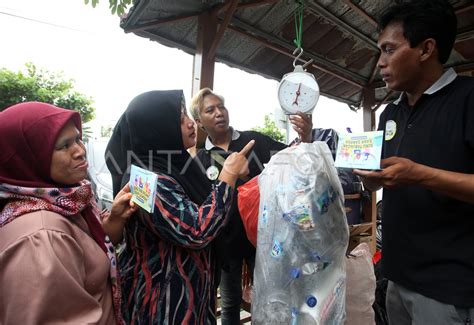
column 359, row 150
column 143, row 187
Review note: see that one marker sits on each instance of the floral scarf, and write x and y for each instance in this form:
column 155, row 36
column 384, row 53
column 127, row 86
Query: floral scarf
column 66, row 202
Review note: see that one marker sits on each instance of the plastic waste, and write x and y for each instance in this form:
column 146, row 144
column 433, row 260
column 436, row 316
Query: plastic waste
column 299, row 275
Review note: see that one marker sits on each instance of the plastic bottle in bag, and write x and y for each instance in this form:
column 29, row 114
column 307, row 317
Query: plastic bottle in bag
column 277, row 309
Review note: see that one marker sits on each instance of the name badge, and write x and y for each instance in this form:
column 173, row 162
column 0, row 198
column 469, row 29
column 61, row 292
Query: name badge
column 390, row 130
column 212, row 173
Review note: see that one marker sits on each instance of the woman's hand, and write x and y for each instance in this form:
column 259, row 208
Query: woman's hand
column 122, row 209
column 236, row 165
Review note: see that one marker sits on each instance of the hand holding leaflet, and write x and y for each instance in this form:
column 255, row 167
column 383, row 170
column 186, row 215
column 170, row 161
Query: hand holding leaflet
column 143, row 187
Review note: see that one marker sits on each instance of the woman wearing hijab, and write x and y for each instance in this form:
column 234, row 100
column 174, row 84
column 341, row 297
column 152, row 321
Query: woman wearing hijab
column 57, row 265
column 167, row 267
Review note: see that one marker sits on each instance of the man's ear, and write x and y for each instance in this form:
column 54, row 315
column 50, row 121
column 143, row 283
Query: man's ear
column 199, row 124
column 428, row 49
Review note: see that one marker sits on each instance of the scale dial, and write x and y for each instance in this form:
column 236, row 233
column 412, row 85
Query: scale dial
column 298, row 91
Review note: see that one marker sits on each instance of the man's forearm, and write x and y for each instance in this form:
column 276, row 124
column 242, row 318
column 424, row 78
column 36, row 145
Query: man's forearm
column 456, row 185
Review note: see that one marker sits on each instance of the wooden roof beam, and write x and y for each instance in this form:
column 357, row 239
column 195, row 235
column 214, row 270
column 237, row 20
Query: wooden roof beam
column 158, row 22
column 384, row 100
column 463, row 67
column 464, row 9
column 326, row 14
column 284, row 51
column 361, row 12
column 256, row 3
column 220, row 33
column 373, row 22
column 465, row 35
column 375, row 69
column 265, row 38
column 249, row 4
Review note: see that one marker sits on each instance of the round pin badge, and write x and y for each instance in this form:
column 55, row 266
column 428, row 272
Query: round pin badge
column 212, row 173
column 390, row 130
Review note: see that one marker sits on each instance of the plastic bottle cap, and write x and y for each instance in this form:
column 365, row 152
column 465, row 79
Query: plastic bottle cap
column 295, row 273
column 294, row 312
column 311, row 301
column 315, row 255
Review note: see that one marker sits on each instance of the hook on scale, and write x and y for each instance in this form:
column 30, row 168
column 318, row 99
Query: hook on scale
column 298, row 58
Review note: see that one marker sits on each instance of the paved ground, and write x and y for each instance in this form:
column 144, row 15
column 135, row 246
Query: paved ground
column 243, row 315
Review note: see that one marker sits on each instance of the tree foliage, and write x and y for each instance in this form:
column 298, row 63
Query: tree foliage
column 270, row 129
column 116, row 6
column 43, row 86
column 106, row 131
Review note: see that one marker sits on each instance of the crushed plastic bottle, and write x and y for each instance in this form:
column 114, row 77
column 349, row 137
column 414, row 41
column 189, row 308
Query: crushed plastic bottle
column 277, row 310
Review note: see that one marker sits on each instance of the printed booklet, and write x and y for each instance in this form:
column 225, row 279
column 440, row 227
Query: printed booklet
column 359, row 150
column 143, row 187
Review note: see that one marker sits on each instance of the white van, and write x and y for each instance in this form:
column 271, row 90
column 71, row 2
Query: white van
column 98, row 173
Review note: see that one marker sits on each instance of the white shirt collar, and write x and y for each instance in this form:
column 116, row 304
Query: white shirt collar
column 209, row 145
column 445, row 79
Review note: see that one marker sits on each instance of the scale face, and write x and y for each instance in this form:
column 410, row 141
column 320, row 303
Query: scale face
column 298, row 91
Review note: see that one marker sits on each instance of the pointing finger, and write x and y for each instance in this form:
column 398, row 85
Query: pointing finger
column 247, row 148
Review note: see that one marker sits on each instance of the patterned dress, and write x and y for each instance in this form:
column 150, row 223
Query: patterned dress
column 167, row 268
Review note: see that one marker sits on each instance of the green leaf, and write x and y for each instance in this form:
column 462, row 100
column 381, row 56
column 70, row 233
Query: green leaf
column 270, row 129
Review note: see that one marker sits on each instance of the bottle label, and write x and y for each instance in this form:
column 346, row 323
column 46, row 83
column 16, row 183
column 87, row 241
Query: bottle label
column 300, row 216
column 325, row 200
column 277, row 249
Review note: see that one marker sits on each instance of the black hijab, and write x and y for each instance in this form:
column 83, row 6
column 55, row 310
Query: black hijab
column 148, row 134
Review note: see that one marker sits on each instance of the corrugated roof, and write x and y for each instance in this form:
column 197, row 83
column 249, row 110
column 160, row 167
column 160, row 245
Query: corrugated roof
column 339, row 35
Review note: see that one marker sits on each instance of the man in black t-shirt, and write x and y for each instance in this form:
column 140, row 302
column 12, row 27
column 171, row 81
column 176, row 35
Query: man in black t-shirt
column 428, row 169
column 232, row 245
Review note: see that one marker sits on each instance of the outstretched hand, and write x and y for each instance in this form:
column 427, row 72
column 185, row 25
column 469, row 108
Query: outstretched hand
column 236, row 165
column 303, row 124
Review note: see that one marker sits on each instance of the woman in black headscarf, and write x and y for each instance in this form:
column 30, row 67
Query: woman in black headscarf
column 167, row 269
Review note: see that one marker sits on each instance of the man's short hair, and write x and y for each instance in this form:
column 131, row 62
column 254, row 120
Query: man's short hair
column 423, row 19
column 197, row 101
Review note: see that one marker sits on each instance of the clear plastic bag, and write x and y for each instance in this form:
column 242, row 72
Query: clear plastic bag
column 299, row 275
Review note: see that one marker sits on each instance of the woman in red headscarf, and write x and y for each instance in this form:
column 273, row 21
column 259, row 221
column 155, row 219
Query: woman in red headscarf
column 57, row 265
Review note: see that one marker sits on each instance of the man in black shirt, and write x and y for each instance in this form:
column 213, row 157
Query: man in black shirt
column 232, row 245
column 428, row 169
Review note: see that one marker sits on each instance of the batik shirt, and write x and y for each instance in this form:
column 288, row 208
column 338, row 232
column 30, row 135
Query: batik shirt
column 167, row 268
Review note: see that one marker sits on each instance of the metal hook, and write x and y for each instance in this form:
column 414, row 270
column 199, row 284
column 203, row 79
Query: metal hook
column 298, row 58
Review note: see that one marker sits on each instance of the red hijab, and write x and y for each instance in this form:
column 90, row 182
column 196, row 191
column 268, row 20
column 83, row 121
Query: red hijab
column 28, row 133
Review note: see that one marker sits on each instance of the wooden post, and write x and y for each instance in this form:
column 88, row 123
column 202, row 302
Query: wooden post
column 368, row 103
column 203, row 65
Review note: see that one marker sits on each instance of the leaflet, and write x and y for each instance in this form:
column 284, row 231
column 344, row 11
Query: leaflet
column 359, row 150
column 143, row 187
